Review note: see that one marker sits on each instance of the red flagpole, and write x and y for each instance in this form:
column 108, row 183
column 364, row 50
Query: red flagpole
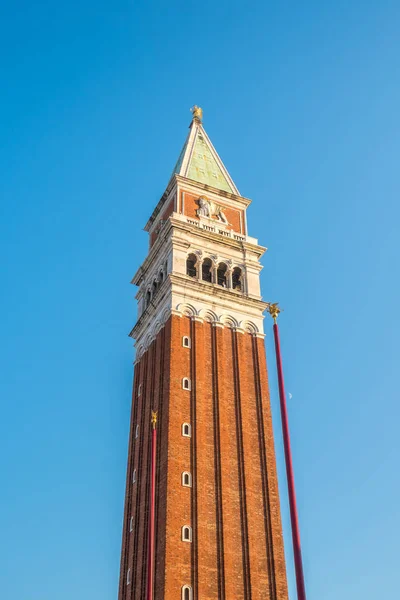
column 150, row 572
column 298, row 562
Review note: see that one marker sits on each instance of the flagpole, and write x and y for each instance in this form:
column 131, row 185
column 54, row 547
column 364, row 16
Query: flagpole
column 150, row 572
column 298, row 562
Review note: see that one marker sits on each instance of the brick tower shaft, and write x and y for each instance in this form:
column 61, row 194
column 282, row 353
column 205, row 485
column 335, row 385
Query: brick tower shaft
column 200, row 363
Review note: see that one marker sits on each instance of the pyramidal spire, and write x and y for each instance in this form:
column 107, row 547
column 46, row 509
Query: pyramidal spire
column 199, row 160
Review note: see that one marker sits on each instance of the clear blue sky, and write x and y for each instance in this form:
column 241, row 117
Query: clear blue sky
column 301, row 100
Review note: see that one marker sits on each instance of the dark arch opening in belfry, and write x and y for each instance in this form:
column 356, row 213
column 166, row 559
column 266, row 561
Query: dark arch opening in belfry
column 221, row 274
column 206, row 270
column 191, row 265
column 237, row 278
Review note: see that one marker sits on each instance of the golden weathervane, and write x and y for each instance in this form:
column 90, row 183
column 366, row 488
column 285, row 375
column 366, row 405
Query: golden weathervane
column 154, row 418
column 197, row 113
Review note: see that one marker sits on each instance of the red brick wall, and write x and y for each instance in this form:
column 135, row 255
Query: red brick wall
column 189, row 206
column 233, row 506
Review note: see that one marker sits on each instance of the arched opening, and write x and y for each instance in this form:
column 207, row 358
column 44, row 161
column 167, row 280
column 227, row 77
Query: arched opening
column 155, row 287
column 206, row 270
column 161, row 276
column 186, row 430
column 148, row 298
column 186, row 383
column 221, row 275
column 191, row 265
column 237, row 279
column 186, row 479
column 186, row 533
column 186, row 592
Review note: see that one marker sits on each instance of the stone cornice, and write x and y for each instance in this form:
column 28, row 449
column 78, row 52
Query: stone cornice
column 180, row 223
column 228, row 301
column 224, row 296
column 161, row 202
column 154, row 250
column 195, row 186
column 145, row 343
column 163, row 295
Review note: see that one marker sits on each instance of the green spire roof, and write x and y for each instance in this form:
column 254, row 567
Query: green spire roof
column 199, row 161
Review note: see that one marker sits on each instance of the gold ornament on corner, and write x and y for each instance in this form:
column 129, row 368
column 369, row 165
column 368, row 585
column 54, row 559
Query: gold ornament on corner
column 154, row 418
column 274, row 310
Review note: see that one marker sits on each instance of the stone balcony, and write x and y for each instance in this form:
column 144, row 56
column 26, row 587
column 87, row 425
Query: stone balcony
column 214, row 226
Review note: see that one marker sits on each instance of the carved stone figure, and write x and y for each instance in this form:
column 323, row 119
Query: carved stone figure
column 209, row 209
column 219, row 214
column 204, row 208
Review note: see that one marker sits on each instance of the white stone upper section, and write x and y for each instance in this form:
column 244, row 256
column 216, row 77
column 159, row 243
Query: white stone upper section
column 201, row 262
column 222, row 286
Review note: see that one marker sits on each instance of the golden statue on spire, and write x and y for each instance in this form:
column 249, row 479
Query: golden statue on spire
column 154, row 418
column 197, row 113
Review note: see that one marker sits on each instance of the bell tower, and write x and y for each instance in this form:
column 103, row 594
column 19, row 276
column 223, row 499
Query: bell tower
column 202, row 515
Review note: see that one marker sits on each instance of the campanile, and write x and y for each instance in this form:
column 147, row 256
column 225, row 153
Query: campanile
column 202, row 514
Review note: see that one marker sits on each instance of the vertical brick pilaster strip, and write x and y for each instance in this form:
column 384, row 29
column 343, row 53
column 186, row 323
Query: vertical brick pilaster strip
column 162, row 452
column 217, row 463
column 205, row 437
column 136, row 488
column 233, row 554
column 159, row 354
column 142, row 479
column 241, row 469
column 133, row 489
column 178, row 557
column 279, row 589
column 264, row 473
column 193, row 418
column 128, row 494
column 259, row 550
column 146, row 468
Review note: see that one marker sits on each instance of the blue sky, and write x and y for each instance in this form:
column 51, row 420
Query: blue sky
column 302, row 102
